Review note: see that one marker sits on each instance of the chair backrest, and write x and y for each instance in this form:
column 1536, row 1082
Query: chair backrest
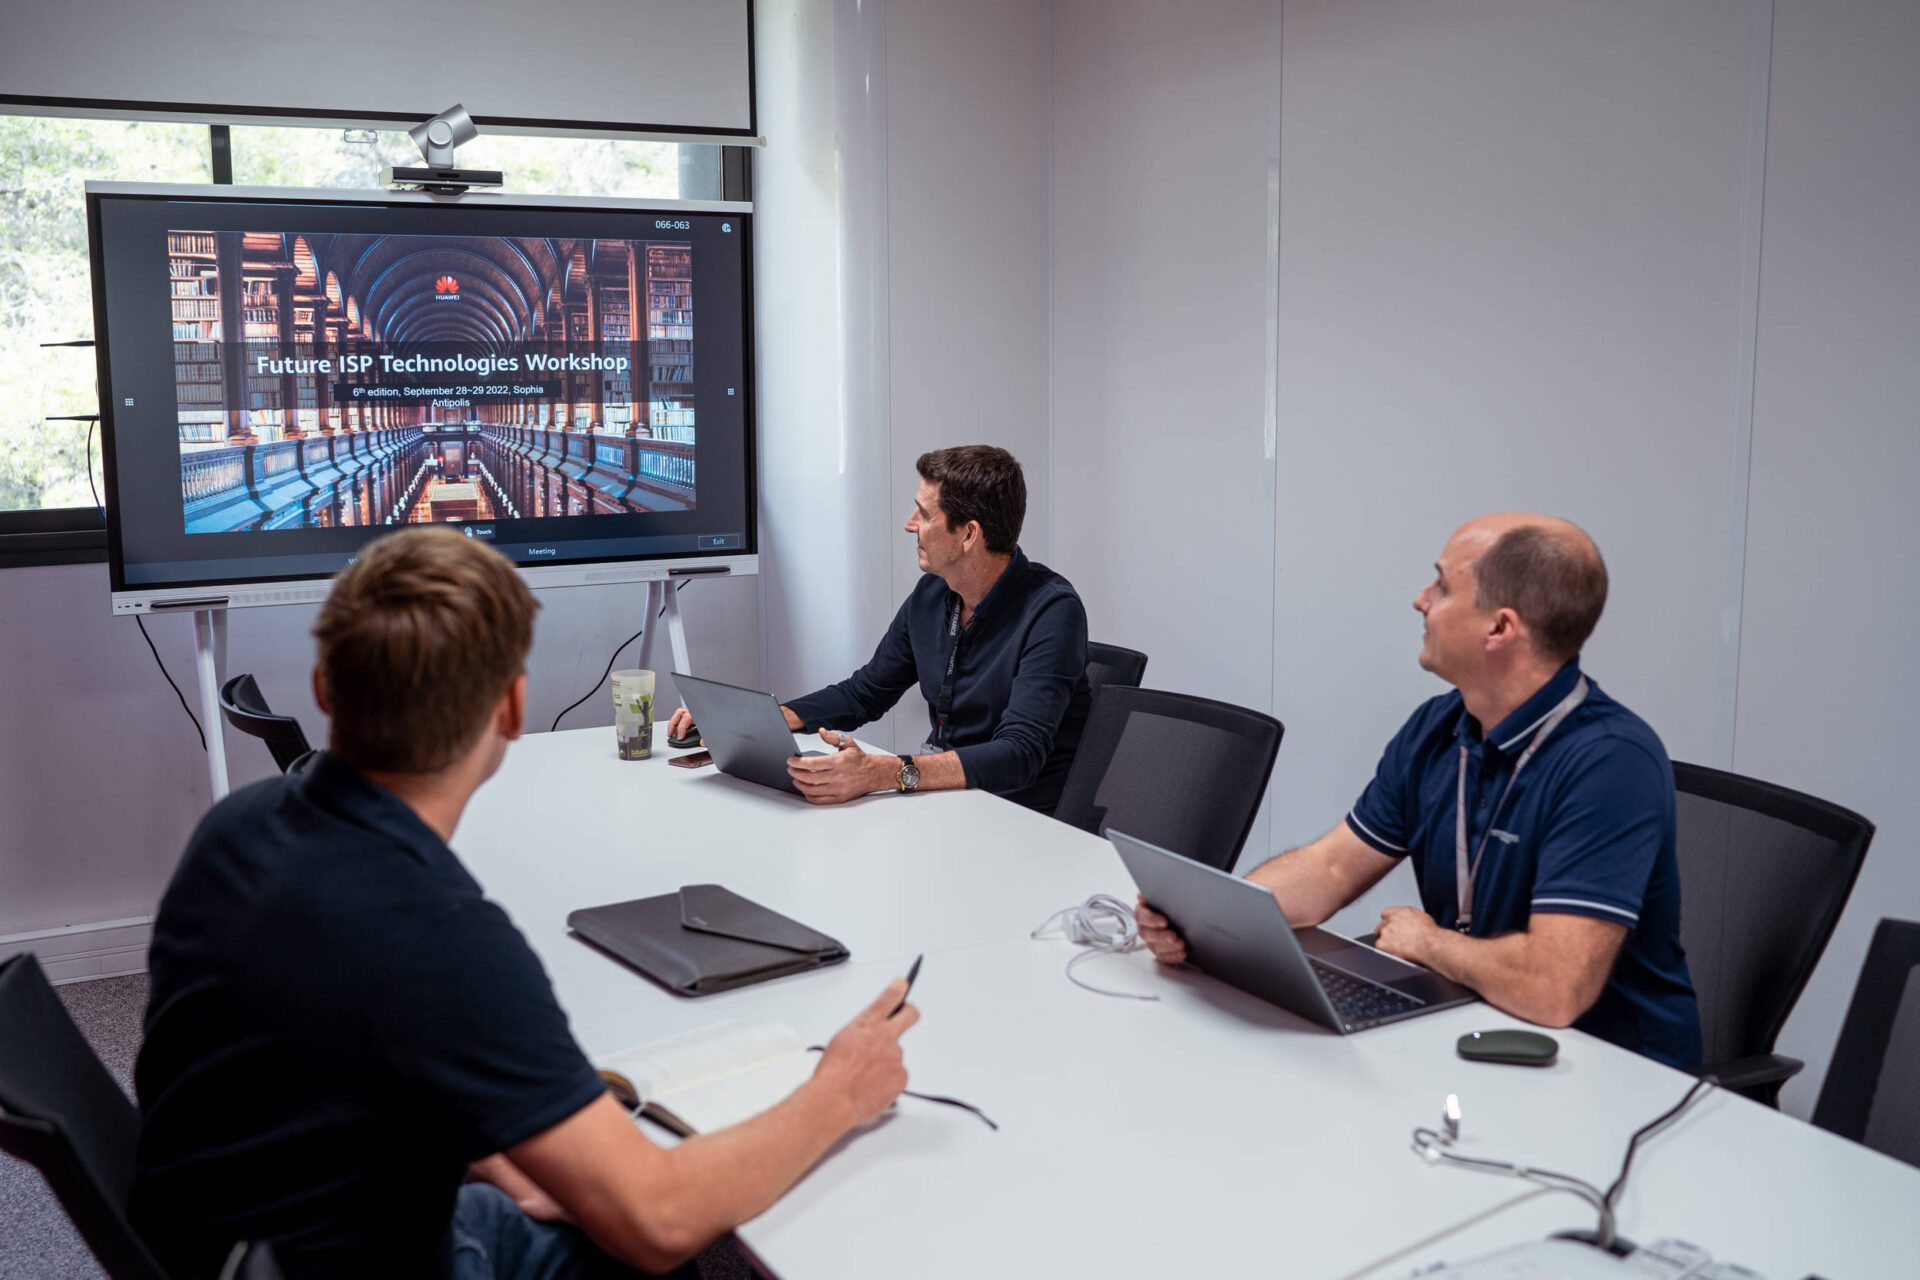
column 246, row 710
column 61, row 1112
column 1764, row 874
column 1181, row 772
column 1872, row 1093
column 1110, row 664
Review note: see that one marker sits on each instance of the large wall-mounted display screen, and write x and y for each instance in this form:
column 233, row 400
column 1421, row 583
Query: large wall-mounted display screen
column 285, row 377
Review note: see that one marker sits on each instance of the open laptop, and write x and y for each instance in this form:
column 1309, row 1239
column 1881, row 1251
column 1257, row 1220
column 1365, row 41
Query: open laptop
column 744, row 730
column 1236, row 931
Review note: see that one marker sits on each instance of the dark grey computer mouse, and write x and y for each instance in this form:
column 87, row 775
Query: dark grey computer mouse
column 1517, row 1048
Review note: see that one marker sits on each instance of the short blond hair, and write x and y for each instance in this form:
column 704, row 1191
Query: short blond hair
column 418, row 641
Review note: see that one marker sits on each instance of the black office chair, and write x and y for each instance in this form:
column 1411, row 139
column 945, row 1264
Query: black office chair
column 1110, row 664
column 247, row 711
column 1764, row 874
column 1181, row 772
column 1872, row 1093
column 62, row 1113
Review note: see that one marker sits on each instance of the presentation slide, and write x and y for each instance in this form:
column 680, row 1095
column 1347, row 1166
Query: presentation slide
column 290, row 379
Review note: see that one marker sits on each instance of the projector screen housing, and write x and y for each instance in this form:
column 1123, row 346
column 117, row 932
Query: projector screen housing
column 286, row 374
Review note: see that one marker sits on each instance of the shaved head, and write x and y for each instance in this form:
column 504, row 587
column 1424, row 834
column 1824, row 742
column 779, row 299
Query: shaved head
column 1547, row 570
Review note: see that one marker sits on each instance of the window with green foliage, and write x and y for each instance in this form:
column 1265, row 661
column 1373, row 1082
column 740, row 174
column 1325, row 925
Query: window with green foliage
column 288, row 156
column 45, row 289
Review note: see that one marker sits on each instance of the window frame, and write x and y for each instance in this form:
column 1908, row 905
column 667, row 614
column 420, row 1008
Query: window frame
column 78, row 535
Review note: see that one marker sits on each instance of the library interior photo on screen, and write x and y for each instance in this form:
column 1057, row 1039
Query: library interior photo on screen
column 436, row 373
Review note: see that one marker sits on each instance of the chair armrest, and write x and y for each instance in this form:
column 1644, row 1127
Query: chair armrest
column 1757, row 1071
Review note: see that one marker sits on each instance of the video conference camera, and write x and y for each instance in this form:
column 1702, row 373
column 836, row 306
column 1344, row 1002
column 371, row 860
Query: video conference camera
column 437, row 138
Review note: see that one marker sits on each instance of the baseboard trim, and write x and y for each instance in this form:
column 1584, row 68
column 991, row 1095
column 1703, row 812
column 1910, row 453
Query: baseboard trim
column 81, row 952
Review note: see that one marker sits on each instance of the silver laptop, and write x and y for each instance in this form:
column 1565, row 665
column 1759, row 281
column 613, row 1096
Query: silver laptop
column 1236, row 931
column 744, row 730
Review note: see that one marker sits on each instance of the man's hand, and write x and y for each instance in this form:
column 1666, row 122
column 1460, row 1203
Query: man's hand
column 1406, row 932
column 845, row 775
column 524, row 1191
column 1157, row 932
column 863, row 1066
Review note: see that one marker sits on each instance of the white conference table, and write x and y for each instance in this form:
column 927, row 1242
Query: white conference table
column 1204, row 1133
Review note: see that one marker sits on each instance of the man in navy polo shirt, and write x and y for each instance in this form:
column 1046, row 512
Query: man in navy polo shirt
column 1538, row 812
column 342, row 1026
column 996, row 643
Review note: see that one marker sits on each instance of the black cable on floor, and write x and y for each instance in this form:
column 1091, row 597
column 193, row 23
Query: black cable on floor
column 611, row 659
column 176, row 688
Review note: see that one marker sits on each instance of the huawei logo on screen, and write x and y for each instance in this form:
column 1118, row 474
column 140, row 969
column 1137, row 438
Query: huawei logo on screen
column 447, row 287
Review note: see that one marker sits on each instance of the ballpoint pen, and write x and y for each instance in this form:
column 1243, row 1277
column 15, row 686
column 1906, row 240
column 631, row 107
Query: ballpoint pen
column 912, row 973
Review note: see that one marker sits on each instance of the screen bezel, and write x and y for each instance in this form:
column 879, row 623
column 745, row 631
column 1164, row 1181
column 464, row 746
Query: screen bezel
column 255, row 589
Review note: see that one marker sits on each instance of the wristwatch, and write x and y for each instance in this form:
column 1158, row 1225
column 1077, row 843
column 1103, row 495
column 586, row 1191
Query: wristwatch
column 909, row 774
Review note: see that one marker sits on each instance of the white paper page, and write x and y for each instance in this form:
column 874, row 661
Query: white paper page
column 731, row 1099
column 707, row 1056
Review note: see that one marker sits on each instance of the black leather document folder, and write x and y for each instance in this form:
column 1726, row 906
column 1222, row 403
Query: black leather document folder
column 704, row 939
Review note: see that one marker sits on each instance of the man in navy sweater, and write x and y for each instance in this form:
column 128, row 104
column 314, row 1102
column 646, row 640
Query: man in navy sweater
column 996, row 643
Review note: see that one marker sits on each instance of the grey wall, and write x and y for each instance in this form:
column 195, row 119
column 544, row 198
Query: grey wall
column 1648, row 265
column 102, row 778
column 1163, row 491
column 902, row 290
column 967, row 279
column 1828, row 692
column 1511, row 261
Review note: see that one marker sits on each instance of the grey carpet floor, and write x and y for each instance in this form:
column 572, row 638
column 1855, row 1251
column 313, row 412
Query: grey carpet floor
column 36, row 1240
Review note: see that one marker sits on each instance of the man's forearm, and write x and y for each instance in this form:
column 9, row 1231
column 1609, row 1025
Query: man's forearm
column 1507, row 971
column 696, row 1192
column 733, row 1176
column 1305, row 885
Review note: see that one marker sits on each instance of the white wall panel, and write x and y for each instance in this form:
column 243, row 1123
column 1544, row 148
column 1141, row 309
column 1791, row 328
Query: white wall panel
column 819, row 194
column 967, row 257
column 1511, row 257
column 1162, row 491
column 1829, row 690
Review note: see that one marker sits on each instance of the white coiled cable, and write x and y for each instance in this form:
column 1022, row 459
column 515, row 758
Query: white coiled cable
column 1103, row 924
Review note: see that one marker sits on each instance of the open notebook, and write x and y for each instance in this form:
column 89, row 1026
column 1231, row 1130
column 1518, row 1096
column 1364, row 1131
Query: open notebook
column 714, row 1076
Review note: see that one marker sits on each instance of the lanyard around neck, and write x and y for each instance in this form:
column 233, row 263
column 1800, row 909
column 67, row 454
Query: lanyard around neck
column 943, row 707
column 1463, row 870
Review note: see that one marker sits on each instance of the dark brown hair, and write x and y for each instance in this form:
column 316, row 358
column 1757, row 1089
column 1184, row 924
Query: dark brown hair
column 419, row 640
column 1555, row 582
column 979, row 482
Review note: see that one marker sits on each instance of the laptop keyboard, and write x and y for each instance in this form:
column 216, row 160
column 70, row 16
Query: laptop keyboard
column 1359, row 1002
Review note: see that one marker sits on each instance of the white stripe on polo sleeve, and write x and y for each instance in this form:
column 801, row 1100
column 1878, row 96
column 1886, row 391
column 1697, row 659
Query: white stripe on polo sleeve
column 1632, row 917
column 1354, row 818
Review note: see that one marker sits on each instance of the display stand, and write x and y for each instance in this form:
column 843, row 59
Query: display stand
column 664, row 596
column 209, row 660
